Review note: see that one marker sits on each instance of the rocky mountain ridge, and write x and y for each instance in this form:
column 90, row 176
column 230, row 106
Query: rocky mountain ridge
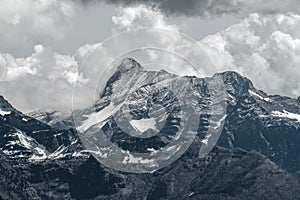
column 53, row 162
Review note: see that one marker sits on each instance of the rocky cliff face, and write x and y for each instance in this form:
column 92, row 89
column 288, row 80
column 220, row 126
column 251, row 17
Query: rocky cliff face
column 269, row 124
column 11, row 185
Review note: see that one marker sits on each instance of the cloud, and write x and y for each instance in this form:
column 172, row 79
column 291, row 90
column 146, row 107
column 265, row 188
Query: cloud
column 213, row 7
column 65, row 25
column 42, row 80
column 27, row 19
column 266, row 49
column 262, row 47
column 137, row 17
column 46, row 17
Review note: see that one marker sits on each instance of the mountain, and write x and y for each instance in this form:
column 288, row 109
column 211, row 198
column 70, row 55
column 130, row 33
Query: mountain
column 23, row 137
column 269, row 124
column 257, row 121
column 55, row 119
column 52, row 159
column 11, row 185
column 223, row 174
column 136, row 101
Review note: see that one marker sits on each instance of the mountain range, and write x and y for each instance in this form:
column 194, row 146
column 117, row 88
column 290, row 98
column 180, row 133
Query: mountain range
column 256, row 157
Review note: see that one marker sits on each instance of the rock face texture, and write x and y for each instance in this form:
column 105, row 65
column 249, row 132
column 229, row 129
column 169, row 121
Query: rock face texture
column 11, row 185
column 267, row 124
column 42, row 156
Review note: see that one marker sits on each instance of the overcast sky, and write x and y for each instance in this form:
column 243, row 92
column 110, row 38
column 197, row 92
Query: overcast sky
column 43, row 42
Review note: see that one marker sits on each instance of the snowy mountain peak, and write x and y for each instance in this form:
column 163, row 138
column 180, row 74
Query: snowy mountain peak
column 236, row 80
column 128, row 64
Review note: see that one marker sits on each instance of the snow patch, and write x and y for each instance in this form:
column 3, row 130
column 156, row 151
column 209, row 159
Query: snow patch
column 151, row 150
column 99, row 117
column 79, row 154
column 257, row 95
column 21, row 139
column 39, row 131
column 286, row 114
column 58, row 153
column 130, row 159
column 3, row 113
column 24, row 140
column 24, row 119
column 143, row 125
column 40, row 154
column 191, row 194
column 205, row 140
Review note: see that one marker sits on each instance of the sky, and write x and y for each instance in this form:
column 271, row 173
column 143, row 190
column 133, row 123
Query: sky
column 43, row 43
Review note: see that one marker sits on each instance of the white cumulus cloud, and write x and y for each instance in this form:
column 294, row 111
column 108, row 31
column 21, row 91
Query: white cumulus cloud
column 42, row 80
column 138, row 17
column 263, row 48
column 27, row 21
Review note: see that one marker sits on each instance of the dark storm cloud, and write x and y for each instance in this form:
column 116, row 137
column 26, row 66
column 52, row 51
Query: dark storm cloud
column 189, row 7
column 212, row 7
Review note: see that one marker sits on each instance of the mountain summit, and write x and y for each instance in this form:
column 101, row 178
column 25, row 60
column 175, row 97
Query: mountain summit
column 128, row 64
